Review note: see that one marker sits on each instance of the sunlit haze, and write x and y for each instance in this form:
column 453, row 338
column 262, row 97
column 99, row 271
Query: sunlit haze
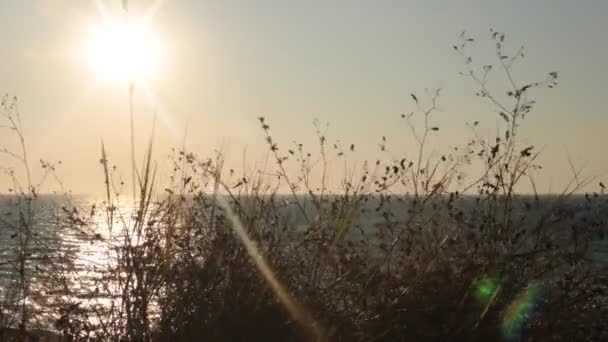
column 208, row 69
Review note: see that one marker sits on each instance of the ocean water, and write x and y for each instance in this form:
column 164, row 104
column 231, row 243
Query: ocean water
column 66, row 263
column 71, row 244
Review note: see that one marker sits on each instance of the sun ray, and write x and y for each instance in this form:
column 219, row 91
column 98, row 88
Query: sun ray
column 102, row 9
column 151, row 100
column 297, row 311
column 152, row 10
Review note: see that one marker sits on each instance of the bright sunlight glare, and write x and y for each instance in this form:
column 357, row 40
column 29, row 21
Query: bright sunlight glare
column 122, row 50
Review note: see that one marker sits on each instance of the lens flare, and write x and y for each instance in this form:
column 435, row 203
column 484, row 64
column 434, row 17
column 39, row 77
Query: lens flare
column 485, row 289
column 297, row 311
column 519, row 312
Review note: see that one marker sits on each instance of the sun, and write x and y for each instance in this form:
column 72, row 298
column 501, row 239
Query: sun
column 119, row 49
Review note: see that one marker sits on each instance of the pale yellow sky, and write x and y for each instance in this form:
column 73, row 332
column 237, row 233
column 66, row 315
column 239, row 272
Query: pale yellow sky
column 351, row 63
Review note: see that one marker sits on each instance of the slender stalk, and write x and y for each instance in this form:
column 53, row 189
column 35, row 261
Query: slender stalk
column 125, row 7
column 132, row 126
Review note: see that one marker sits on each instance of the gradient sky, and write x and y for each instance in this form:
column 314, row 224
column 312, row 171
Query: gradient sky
column 351, row 63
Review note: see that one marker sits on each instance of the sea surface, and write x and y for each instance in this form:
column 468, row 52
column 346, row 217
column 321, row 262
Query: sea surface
column 78, row 259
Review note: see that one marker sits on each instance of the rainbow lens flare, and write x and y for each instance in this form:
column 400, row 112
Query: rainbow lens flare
column 518, row 312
